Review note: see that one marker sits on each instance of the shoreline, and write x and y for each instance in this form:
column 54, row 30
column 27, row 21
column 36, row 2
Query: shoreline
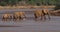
column 23, row 7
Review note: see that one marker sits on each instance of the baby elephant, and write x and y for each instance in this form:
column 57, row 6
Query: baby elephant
column 6, row 17
column 19, row 16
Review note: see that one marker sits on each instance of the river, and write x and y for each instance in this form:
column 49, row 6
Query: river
column 30, row 25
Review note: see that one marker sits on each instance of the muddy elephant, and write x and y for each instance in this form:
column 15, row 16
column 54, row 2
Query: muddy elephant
column 19, row 16
column 6, row 17
column 38, row 14
column 47, row 12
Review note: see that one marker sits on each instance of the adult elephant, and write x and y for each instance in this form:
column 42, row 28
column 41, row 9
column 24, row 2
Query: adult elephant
column 38, row 14
column 47, row 12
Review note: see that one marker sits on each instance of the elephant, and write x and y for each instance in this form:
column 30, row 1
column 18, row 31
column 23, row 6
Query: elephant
column 19, row 15
column 6, row 17
column 38, row 13
column 47, row 12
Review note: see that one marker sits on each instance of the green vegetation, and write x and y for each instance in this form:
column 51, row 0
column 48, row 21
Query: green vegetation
column 3, row 3
column 57, row 7
column 30, row 2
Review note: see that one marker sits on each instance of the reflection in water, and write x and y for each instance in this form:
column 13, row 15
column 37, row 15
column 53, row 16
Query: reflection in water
column 53, row 18
column 29, row 18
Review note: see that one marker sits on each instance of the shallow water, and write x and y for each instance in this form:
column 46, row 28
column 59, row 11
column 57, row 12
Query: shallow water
column 30, row 25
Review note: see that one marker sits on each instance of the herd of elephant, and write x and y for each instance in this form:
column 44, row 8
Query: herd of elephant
column 21, row 15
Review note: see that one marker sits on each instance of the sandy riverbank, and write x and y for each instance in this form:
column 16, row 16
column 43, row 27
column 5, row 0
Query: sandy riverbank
column 20, row 7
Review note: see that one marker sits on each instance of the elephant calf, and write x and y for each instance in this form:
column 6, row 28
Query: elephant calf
column 19, row 15
column 6, row 17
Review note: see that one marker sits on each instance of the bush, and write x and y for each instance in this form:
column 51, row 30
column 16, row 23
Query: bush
column 57, row 7
column 38, row 4
column 3, row 3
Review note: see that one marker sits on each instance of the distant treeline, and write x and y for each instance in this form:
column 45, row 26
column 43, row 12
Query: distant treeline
column 29, row 2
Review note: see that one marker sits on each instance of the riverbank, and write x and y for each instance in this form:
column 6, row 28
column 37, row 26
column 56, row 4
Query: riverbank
column 23, row 7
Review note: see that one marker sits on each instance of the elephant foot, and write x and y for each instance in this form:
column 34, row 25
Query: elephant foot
column 24, row 19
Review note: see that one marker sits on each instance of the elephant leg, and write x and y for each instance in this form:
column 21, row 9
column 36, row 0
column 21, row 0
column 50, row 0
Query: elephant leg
column 24, row 17
column 44, row 17
column 2, row 18
column 21, row 18
column 48, row 15
column 41, row 17
column 14, row 18
column 35, row 16
column 5, row 19
column 10, row 18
